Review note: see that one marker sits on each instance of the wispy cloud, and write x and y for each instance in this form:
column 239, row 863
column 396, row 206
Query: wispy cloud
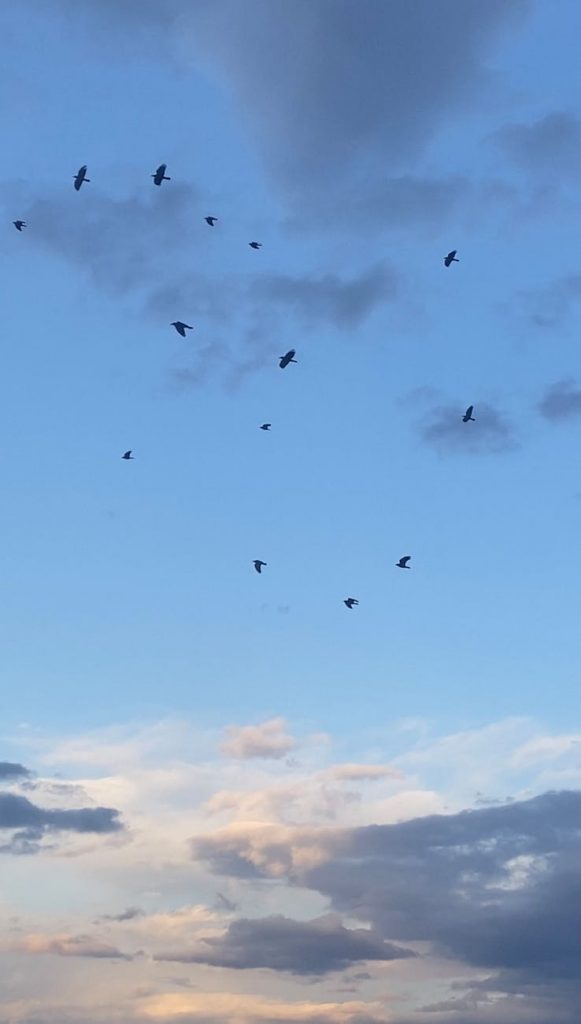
column 550, row 145
column 491, row 433
column 562, row 401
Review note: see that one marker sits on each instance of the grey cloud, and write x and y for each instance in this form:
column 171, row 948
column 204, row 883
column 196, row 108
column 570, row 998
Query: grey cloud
column 562, row 401
column 130, row 914
column 491, row 433
column 32, row 823
column 223, row 903
column 550, row 145
column 122, row 243
column 301, row 947
column 550, row 306
column 401, row 202
column 10, row 770
column 497, row 888
column 327, row 88
column 330, row 299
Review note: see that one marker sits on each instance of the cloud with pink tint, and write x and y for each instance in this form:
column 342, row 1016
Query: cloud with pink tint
column 269, row 740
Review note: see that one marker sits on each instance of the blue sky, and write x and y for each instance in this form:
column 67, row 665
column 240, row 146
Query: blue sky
column 358, row 143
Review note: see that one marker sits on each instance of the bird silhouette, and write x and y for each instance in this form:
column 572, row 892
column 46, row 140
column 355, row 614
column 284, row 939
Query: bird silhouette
column 255, row 245
column 211, row 221
column 180, row 327
column 258, row 565
column 403, row 562
column 160, row 175
column 19, row 224
column 266, row 426
column 468, row 417
column 128, row 454
column 289, row 357
column 451, row 258
column 81, row 177
column 350, row 601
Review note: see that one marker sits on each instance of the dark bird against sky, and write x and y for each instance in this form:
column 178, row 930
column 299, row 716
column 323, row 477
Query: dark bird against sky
column 211, row 221
column 127, row 454
column 181, row 327
column 403, row 562
column 468, row 417
column 19, row 224
column 451, row 258
column 350, row 601
column 258, row 564
column 160, row 175
column 289, row 357
column 255, row 245
column 266, row 426
column 81, row 177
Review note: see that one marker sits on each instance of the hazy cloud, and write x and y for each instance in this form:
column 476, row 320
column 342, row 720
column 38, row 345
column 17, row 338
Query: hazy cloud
column 491, row 433
column 561, row 401
column 301, row 947
column 269, row 740
column 549, row 306
column 330, row 299
column 551, row 145
column 122, row 243
column 69, row 945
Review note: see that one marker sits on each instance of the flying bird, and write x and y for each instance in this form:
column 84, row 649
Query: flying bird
column 289, row 357
column 128, row 454
column 255, row 245
column 180, row 327
column 211, row 221
column 266, row 426
column 258, row 564
column 19, row 224
column 468, row 417
column 160, row 175
column 350, row 601
column 451, row 258
column 403, row 562
column 81, row 176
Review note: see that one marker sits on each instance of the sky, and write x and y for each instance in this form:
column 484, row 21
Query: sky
column 225, row 798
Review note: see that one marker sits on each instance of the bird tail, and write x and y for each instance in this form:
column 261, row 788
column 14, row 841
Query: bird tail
column 165, row 178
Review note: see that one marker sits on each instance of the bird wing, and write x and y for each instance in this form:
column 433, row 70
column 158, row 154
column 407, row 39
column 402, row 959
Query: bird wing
column 405, row 559
column 161, row 169
column 451, row 254
column 469, row 410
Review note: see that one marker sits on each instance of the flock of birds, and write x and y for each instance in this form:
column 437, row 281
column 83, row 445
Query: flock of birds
column 159, row 176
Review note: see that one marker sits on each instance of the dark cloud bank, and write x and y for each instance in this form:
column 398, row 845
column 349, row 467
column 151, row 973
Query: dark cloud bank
column 497, row 889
